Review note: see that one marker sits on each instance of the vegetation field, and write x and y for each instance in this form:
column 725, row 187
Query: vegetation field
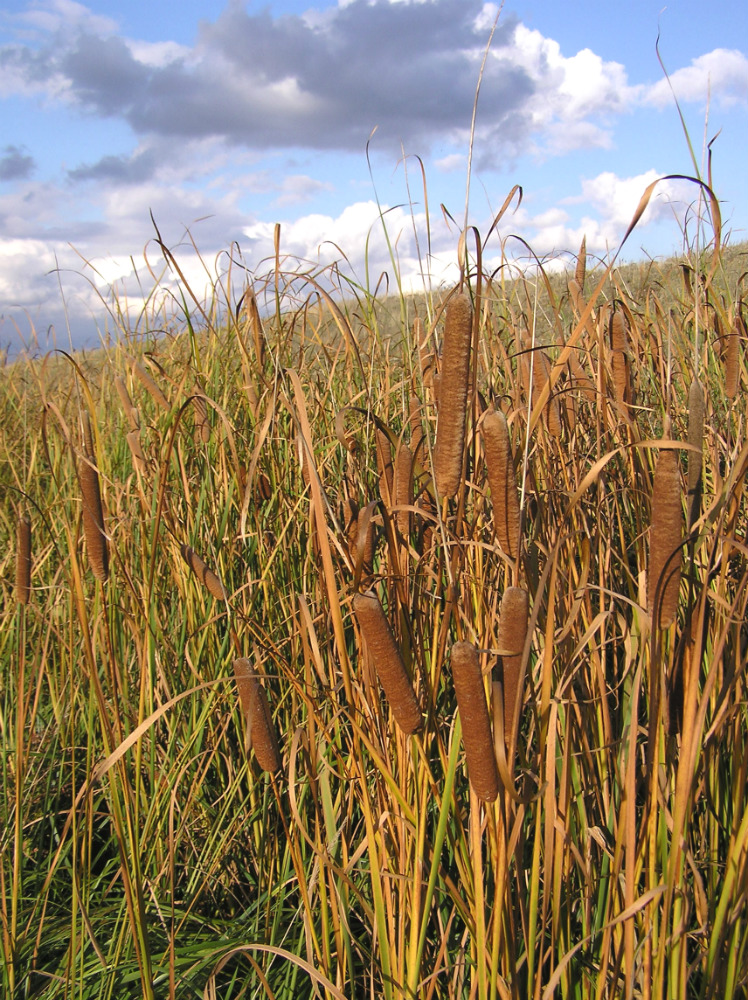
column 357, row 646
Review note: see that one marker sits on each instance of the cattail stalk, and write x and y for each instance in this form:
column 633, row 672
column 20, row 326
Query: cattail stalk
column 511, row 635
column 258, row 721
column 476, row 725
column 502, row 481
column 23, row 559
column 206, row 575
column 665, row 538
column 453, row 393
column 620, row 363
column 388, row 663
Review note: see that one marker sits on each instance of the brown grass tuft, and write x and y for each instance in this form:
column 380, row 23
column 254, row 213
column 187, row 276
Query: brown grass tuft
column 512, row 632
column 453, row 393
column 502, row 481
column 665, row 538
column 476, row 725
column 23, row 559
column 206, row 575
column 258, row 721
column 388, row 663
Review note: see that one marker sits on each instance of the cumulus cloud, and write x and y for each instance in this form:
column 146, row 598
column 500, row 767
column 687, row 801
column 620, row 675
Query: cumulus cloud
column 721, row 75
column 15, row 165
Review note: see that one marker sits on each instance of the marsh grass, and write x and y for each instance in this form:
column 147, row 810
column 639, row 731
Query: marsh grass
column 144, row 851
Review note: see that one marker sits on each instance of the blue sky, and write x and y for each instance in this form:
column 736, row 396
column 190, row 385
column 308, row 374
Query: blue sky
column 223, row 119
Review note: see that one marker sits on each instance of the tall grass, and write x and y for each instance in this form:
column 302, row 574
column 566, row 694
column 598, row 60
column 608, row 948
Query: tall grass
column 313, row 822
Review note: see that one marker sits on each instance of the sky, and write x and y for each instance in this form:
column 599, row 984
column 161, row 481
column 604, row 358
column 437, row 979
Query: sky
column 215, row 121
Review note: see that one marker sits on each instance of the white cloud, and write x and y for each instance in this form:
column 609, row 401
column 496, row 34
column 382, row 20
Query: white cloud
column 720, row 75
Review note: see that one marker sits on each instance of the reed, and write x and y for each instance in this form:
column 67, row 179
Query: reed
column 387, row 661
column 453, row 394
column 204, row 573
column 259, row 730
column 665, row 539
column 476, row 725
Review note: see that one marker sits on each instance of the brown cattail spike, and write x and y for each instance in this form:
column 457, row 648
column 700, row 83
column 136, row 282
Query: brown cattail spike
column 620, row 362
column 93, row 510
column 665, row 538
column 202, row 421
column 260, row 732
column 150, row 386
column 127, row 405
column 388, row 663
column 206, row 575
column 476, row 725
column 541, row 373
column 732, row 361
column 385, row 468
column 453, row 393
column 580, row 270
column 512, row 632
column 403, row 484
column 502, row 481
column 23, row 560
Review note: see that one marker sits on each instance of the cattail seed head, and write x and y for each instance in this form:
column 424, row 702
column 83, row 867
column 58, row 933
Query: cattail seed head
column 511, row 636
column 620, row 362
column 202, row 421
column 453, row 393
column 127, row 404
column 403, row 485
column 476, row 725
column 136, row 450
column 541, row 373
column 665, row 538
column 502, row 481
column 23, row 559
column 206, row 575
column 258, row 721
column 580, row 270
column 93, row 510
column 150, row 386
column 388, row 663
column 385, row 468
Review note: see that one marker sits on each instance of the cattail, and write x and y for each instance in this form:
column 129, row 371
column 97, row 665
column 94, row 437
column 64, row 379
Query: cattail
column 580, row 271
column 365, row 539
column 453, row 393
column 511, row 635
column 23, row 559
column 206, row 575
column 403, row 485
column 476, row 725
column 127, row 404
column 350, row 525
column 696, row 406
column 732, row 362
column 387, row 661
column 502, row 481
column 385, row 468
column 202, row 422
column 136, row 450
column 255, row 326
column 665, row 537
column 153, row 390
column 260, row 732
column 620, row 363
column 93, row 511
